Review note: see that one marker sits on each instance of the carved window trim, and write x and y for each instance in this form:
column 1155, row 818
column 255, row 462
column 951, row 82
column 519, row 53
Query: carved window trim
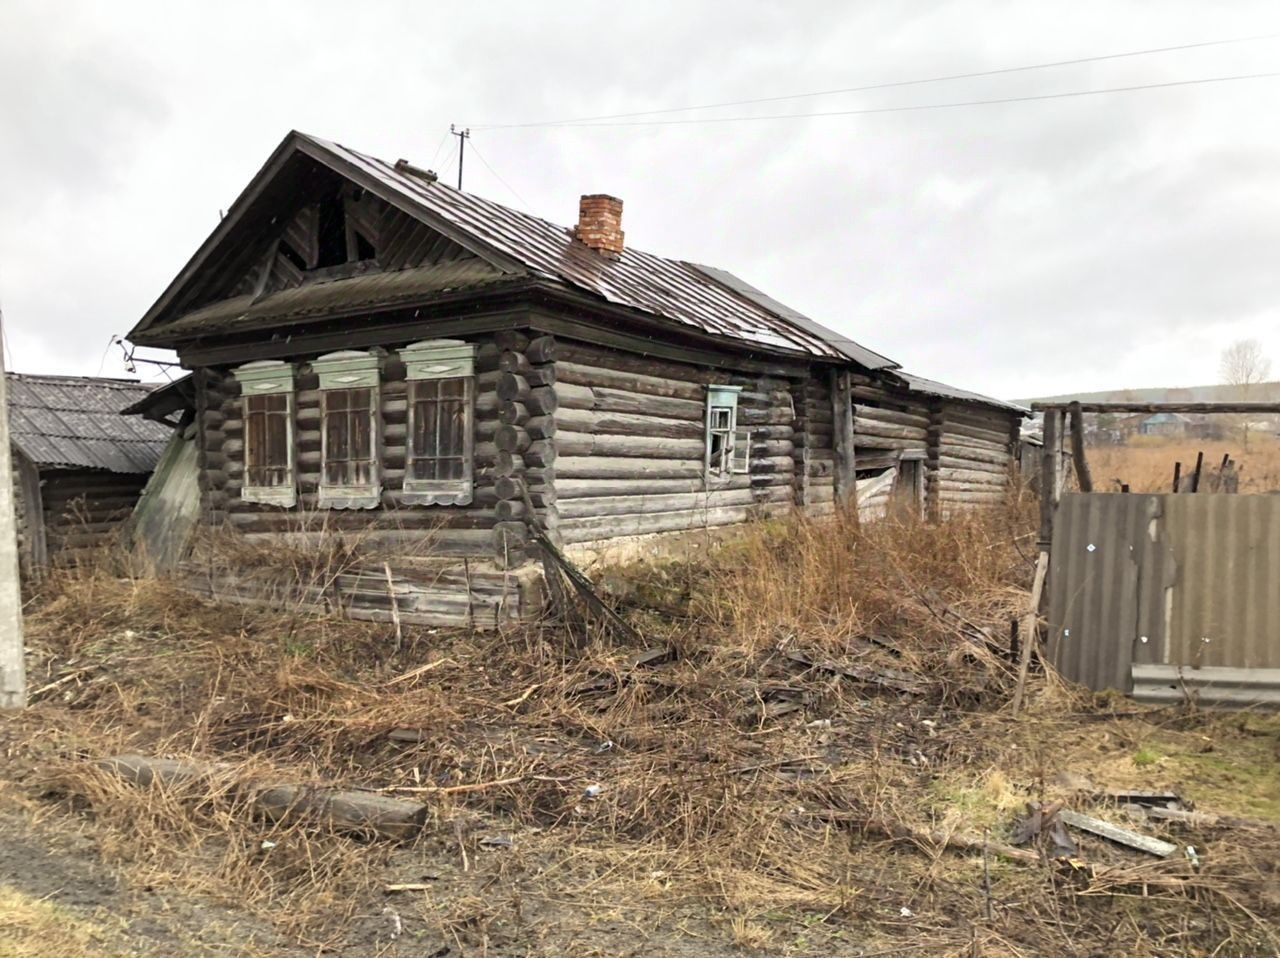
column 349, row 372
column 266, row 378
column 428, row 365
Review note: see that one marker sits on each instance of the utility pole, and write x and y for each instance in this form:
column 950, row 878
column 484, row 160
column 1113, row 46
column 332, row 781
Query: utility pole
column 463, row 136
column 13, row 668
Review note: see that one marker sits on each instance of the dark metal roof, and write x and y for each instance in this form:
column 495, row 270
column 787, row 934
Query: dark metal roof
column 847, row 347
column 75, row 422
column 932, row 387
column 299, row 303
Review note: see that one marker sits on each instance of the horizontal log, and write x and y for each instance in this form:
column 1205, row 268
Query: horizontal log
column 970, row 465
column 596, row 376
column 512, row 413
column 512, row 387
column 961, row 475
column 396, row 819
column 513, row 362
column 886, row 430
column 591, row 529
column 610, row 399
column 570, row 443
column 643, row 504
column 611, row 467
column 567, row 489
column 918, row 419
column 627, row 424
column 509, row 438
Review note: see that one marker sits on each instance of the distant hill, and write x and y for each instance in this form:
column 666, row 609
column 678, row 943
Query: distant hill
column 1259, row 392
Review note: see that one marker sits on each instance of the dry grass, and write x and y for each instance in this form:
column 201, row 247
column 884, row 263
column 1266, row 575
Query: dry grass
column 747, row 800
column 1147, row 462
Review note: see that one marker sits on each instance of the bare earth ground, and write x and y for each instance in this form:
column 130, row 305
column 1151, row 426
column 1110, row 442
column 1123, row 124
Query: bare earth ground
column 808, row 764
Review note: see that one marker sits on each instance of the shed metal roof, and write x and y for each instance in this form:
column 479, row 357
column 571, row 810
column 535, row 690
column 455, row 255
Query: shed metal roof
column 75, row 422
column 931, row 387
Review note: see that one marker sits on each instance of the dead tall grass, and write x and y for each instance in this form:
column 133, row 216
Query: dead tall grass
column 819, row 706
column 1146, row 463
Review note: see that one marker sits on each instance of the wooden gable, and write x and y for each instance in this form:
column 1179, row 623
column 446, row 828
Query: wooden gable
column 346, row 232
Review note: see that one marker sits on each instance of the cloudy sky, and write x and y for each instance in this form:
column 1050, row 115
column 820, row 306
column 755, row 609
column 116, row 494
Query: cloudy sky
column 1019, row 249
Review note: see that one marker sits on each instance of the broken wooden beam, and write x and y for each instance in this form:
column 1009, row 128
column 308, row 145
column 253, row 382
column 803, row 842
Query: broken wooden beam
column 1114, row 833
column 343, row 810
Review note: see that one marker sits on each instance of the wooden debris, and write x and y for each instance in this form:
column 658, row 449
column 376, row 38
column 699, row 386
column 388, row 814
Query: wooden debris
column 414, row 673
column 1208, row 819
column 390, row 818
column 936, row 837
column 453, row 789
column 1114, row 833
column 892, row 679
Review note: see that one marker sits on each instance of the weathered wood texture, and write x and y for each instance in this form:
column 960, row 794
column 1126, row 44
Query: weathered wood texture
column 629, row 446
column 446, row 530
column 84, row 509
column 973, row 463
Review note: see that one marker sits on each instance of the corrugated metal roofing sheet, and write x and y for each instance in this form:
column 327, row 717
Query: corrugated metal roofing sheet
column 665, row 287
column 75, row 422
column 931, row 387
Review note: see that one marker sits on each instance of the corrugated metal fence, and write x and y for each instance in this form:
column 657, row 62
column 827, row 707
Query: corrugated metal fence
column 1189, row 582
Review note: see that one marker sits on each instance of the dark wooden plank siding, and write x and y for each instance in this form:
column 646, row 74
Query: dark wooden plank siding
column 84, row 509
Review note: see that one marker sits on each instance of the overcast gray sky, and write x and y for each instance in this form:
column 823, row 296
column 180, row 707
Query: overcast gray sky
column 1017, row 249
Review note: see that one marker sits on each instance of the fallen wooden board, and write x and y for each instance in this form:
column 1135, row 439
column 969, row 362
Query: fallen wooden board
column 347, row 811
column 891, row 679
column 1114, row 833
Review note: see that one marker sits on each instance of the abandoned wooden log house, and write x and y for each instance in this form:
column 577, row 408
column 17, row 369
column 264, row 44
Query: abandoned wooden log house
column 377, row 353
column 78, row 465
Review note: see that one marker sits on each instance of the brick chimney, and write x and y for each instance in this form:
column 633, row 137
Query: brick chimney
column 600, row 224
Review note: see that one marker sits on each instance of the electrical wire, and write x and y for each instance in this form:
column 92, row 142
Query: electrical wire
column 439, row 147
column 888, row 84
column 511, row 189
column 928, row 106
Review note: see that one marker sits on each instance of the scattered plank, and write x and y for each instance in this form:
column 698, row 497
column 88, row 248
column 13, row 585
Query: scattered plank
column 414, row 673
column 452, row 789
column 1114, row 833
column 892, row 679
column 347, row 811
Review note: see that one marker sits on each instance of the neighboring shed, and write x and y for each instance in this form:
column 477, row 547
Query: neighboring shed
column 1164, row 424
column 79, row 465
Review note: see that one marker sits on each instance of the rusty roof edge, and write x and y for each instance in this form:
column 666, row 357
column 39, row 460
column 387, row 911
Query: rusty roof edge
column 843, row 345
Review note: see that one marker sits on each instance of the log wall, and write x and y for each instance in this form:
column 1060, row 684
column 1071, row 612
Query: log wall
column 629, row 446
column 84, row 509
column 973, row 461
column 395, row 525
column 819, row 436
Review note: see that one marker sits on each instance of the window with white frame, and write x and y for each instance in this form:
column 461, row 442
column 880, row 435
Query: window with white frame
column 350, row 472
column 270, row 473
column 728, row 448
column 440, row 448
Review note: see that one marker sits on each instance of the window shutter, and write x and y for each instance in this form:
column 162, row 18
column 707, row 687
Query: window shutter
column 270, row 472
column 440, row 447
column 350, row 453
column 741, row 451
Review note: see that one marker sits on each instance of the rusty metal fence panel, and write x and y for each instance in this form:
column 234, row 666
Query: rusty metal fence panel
column 1175, row 580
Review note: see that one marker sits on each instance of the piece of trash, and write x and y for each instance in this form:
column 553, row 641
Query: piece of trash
column 1042, row 820
column 1091, row 547
column 906, row 912
column 397, row 927
column 657, row 874
column 1192, row 856
column 496, row 841
column 267, row 844
column 819, row 723
column 593, row 791
column 603, row 747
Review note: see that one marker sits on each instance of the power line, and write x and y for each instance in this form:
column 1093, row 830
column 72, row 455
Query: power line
column 929, row 106
column 885, row 85
column 514, row 192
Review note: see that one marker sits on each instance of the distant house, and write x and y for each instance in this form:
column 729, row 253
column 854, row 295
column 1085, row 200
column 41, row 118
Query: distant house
column 378, row 353
column 1164, row 424
column 79, row 465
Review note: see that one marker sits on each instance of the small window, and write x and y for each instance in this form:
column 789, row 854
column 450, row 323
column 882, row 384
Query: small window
column 726, row 452
column 438, row 459
column 269, row 472
column 350, row 477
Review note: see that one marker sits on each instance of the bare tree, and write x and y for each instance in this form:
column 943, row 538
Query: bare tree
column 1244, row 366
